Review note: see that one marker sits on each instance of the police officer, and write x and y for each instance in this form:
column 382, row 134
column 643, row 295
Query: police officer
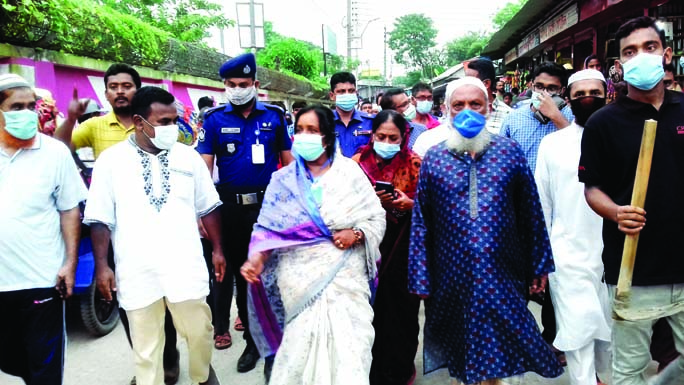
column 249, row 139
column 353, row 127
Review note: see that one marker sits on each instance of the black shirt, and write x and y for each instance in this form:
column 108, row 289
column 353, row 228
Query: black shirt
column 610, row 150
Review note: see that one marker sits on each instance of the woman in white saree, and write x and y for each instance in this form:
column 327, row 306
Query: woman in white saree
column 312, row 256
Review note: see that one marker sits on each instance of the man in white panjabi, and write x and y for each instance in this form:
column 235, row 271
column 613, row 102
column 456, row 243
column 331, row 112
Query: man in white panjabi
column 579, row 296
column 147, row 193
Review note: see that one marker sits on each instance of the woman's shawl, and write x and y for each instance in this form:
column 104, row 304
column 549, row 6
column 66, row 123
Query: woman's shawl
column 290, row 218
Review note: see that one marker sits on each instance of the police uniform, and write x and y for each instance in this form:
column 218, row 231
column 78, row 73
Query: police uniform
column 247, row 152
column 356, row 134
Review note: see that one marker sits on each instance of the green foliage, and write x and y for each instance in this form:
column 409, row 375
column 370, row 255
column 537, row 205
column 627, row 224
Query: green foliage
column 412, row 39
column 292, row 55
column 505, row 14
column 408, row 80
column 185, row 20
column 465, row 47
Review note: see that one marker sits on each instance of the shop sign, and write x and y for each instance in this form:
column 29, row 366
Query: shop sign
column 511, row 55
column 558, row 24
column 530, row 41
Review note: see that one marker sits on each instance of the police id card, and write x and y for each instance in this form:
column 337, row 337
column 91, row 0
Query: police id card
column 258, row 156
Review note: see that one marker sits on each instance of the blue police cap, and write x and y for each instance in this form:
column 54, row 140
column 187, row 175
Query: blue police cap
column 243, row 66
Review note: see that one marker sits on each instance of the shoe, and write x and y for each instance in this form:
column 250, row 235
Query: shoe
column 172, row 373
column 268, row 367
column 238, row 325
column 223, row 341
column 248, row 359
column 212, row 380
column 134, row 381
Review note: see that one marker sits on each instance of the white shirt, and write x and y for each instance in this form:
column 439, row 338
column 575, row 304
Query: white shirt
column 431, row 138
column 35, row 185
column 578, row 295
column 157, row 248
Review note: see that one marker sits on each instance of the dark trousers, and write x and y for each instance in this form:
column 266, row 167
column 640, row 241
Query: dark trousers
column 237, row 223
column 32, row 335
column 548, row 318
column 220, row 293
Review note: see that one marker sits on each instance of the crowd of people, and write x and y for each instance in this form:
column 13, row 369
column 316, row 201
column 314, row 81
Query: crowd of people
column 333, row 225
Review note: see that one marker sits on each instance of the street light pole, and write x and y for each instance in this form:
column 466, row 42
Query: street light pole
column 350, row 35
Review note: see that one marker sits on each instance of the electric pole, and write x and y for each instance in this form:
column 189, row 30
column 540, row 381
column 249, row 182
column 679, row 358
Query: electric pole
column 384, row 58
column 350, row 34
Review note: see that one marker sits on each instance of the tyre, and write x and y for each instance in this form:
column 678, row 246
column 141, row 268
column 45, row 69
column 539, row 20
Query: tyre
column 99, row 316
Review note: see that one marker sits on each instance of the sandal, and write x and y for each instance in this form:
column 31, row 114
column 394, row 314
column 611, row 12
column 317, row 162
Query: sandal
column 238, row 325
column 223, row 341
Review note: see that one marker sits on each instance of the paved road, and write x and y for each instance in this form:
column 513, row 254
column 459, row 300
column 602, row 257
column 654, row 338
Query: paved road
column 108, row 361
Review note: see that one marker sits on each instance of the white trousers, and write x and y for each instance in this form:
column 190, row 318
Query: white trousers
column 585, row 362
column 192, row 320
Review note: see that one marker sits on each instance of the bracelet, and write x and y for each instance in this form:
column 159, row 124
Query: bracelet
column 358, row 235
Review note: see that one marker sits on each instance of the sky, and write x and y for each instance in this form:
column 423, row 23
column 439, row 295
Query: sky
column 302, row 19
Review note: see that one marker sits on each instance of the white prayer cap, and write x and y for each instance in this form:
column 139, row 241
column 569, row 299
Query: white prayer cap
column 8, row 81
column 589, row 74
column 458, row 83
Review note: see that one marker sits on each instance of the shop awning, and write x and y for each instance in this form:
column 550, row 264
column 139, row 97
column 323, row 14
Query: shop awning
column 512, row 33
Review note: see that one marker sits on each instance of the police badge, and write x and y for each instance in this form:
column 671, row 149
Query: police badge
column 200, row 135
column 230, row 147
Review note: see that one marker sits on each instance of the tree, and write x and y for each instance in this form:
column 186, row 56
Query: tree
column 290, row 55
column 408, row 80
column 465, row 47
column 412, row 39
column 505, row 14
column 186, row 20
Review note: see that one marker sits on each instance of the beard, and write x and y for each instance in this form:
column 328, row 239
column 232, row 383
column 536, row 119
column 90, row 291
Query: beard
column 15, row 143
column 459, row 144
column 124, row 111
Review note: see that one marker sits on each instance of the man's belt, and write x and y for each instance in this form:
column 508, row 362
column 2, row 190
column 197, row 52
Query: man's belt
column 249, row 198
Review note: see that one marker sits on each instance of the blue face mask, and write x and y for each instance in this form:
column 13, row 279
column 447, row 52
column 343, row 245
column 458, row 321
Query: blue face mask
column 644, row 71
column 21, row 124
column 469, row 123
column 308, row 146
column 346, row 102
column 386, row 150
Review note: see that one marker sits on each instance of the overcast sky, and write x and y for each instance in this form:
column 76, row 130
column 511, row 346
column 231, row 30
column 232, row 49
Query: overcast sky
column 302, row 20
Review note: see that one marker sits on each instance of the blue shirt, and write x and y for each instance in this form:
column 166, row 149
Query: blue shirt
column 521, row 125
column 356, row 134
column 229, row 136
column 416, row 130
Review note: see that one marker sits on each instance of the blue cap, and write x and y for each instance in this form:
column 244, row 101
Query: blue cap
column 243, row 66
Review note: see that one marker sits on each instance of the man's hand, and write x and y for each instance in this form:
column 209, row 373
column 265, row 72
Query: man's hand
column 76, row 107
column 538, row 285
column 65, row 280
column 105, row 282
column 548, row 107
column 219, row 262
column 630, row 219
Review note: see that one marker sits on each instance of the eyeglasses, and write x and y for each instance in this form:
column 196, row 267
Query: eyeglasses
column 552, row 89
column 668, row 83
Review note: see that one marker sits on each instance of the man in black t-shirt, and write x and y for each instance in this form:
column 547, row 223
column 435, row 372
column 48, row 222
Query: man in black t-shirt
column 610, row 150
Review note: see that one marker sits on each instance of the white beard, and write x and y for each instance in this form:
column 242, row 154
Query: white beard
column 459, row 144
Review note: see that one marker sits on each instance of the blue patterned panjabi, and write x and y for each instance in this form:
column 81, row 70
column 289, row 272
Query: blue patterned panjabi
column 478, row 239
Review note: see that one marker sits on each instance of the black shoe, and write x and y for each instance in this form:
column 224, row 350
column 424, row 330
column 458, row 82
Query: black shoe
column 268, row 367
column 212, row 380
column 248, row 359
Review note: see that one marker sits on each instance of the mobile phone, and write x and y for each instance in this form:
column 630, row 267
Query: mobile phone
column 387, row 187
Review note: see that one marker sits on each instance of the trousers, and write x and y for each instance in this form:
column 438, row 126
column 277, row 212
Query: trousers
column 591, row 359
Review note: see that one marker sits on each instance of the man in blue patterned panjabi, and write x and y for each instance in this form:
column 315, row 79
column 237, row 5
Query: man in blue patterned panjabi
column 478, row 248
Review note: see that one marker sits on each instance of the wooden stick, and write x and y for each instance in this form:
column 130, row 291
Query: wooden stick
column 643, row 172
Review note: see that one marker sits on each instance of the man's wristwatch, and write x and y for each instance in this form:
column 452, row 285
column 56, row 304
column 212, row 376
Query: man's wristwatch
column 358, row 235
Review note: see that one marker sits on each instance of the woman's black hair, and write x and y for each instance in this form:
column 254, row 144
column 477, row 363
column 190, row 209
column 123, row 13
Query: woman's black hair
column 326, row 123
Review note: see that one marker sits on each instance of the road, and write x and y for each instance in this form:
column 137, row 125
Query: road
column 108, row 361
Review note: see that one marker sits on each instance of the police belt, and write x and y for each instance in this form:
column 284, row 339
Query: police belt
column 243, row 199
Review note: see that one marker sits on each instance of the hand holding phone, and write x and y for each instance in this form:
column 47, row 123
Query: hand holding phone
column 386, row 187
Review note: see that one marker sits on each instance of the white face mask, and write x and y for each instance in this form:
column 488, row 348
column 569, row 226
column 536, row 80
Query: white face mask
column 240, row 96
column 164, row 136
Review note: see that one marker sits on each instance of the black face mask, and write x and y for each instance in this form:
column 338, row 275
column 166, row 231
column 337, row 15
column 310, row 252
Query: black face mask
column 583, row 107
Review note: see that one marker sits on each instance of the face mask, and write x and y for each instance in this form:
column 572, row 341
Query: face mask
column 240, row 96
column 535, row 99
column 644, row 71
column 21, row 124
column 583, row 107
column 308, row 146
column 410, row 112
column 164, row 136
column 469, row 123
column 424, row 107
column 386, row 150
column 346, row 102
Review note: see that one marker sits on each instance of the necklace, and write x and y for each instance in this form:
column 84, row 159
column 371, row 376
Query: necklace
column 156, row 201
